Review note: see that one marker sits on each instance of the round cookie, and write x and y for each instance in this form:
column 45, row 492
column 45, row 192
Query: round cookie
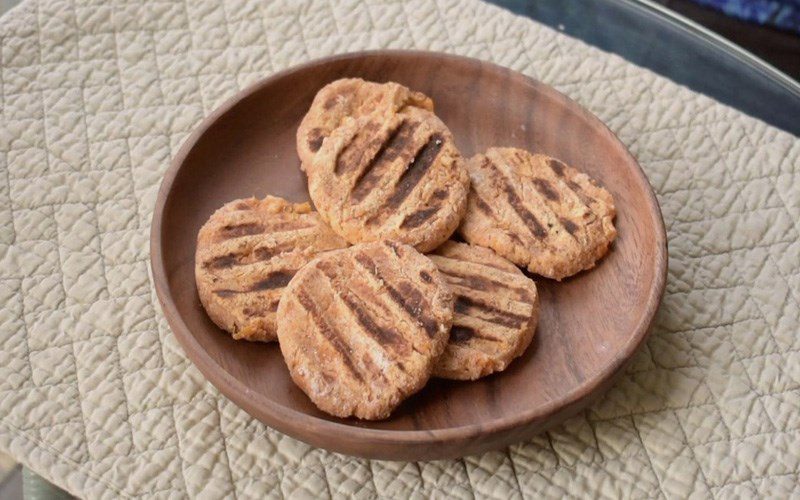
column 350, row 97
column 537, row 212
column 360, row 329
column 246, row 254
column 496, row 311
column 395, row 178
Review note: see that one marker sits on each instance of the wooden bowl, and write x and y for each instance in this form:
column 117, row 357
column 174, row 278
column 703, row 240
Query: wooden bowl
column 590, row 324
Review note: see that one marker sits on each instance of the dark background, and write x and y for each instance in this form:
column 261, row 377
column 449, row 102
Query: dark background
column 778, row 47
column 698, row 47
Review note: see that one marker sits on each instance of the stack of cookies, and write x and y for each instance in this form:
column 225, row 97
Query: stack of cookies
column 369, row 296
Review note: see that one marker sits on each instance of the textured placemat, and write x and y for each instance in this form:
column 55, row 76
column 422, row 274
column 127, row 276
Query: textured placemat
column 97, row 396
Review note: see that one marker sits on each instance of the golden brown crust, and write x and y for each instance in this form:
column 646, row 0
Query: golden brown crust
column 350, row 98
column 395, row 178
column 496, row 311
column 360, row 329
column 246, row 254
column 537, row 212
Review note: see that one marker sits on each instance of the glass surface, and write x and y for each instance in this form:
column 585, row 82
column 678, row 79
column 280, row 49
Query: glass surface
column 645, row 35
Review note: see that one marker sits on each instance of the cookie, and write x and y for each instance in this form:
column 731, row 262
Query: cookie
column 246, row 254
column 496, row 311
column 360, row 329
column 350, row 97
column 537, row 212
column 397, row 178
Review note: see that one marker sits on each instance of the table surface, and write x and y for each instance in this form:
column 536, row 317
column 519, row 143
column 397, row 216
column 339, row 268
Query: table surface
column 97, row 396
column 654, row 37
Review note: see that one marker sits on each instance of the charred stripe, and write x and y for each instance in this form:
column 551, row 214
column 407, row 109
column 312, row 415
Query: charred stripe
column 482, row 205
column 353, row 154
column 578, row 190
column 330, row 333
column 506, row 318
column 570, row 226
column 546, row 189
column 383, row 336
column 482, row 283
column 275, row 279
column 394, row 146
column 416, row 170
column 419, row 217
column 261, row 254
column 556, row 166
column 239, row 230
column 315, row 138
column 530, row 220
column 460, row 334
column 407, row 297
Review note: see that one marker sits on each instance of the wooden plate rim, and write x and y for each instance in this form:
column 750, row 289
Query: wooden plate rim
column 286, row 419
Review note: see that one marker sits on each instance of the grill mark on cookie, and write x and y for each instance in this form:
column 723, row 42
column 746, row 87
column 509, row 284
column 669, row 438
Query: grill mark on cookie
column 546, row 189
column 423, row 161
column 383, row 336
column 395, row 145
column 354, row 153
column 315, row 138
column 516, row 239
column 426, row 277
column 481, row 283
column 556, row 166
column 415, row 304
column 246, row 256
column 419, row 217
column 253, row 228
column 331, row 102
column 460, row 334
column 482, row 205
column 329, row 332
column 580, row 193
column 464, row 304
column 570, row 226
column 238, row 230
column 275, row 279
column 566, row 188
column 531, row 222
column 406, row 296
column 482, row 262
column 473, row 281
column 222, row 261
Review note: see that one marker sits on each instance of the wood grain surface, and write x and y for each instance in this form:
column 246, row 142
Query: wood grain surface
column 590, row 324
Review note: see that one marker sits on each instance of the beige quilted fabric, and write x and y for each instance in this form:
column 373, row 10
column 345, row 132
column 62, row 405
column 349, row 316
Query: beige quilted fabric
column 97, row 396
